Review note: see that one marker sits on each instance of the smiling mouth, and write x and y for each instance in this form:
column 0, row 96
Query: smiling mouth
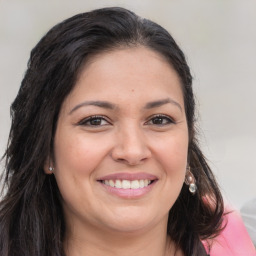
column 128, row 184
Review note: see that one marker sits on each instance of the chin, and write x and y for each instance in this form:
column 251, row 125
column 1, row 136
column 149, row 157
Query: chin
column 135, row 221
column 130, row 227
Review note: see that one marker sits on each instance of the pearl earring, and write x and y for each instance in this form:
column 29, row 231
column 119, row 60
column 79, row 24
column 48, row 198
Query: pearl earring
column 190, row 181
column 51, row 169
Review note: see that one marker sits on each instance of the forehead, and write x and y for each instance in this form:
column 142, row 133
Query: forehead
column 128, row 58
column 136, row 73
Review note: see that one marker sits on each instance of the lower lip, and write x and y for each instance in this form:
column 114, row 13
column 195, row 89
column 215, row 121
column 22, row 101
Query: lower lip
column 129, row 193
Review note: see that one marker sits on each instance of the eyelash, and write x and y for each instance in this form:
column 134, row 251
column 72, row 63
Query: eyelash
column 93, row 118
column 162, row 117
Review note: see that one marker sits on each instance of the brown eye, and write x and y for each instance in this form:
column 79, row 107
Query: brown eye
column 160, row 120
column 94, row 121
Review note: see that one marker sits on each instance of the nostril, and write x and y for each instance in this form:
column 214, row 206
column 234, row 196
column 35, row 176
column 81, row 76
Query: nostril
column 130, row 153
column 131, row 160
column 121, row 160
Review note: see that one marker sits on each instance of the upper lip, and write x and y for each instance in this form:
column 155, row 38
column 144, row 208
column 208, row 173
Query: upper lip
column 128, row 176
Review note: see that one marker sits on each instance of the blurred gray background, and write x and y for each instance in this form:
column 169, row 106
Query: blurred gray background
column 219, row 40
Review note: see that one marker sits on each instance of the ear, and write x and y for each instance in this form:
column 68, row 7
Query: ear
column 48, row 166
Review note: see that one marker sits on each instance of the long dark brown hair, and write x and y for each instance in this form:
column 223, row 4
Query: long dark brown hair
column 31, row 216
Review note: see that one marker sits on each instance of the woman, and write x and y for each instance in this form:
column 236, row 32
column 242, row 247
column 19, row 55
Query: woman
column 102, row 157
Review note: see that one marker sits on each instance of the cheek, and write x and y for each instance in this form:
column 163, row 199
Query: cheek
column 172, row 158
column 172, row 153
column 76, row 159
column 77, row 154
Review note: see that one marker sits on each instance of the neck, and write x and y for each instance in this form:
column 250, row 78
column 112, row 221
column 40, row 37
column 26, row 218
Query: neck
column 95, row 242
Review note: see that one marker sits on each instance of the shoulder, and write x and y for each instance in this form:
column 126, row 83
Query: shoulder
column 233, row 240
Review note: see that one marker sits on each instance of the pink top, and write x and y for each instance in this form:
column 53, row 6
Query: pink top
column 234, row 239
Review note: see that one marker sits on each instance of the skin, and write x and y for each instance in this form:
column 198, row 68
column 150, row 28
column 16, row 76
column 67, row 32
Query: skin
column 127, row 138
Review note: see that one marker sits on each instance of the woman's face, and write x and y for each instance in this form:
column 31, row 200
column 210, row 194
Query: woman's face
column 121, row 143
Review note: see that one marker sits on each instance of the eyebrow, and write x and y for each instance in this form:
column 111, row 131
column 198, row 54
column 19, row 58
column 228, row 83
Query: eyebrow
column 159, row 103
column 108, row 105
column 101, row 104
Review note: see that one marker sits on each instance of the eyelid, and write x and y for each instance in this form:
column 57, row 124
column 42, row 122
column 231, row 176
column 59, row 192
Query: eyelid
column 171, row 120
column 87, row 119
column 83, row 121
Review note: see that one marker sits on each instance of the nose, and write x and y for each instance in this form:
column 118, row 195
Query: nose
column 131, row 146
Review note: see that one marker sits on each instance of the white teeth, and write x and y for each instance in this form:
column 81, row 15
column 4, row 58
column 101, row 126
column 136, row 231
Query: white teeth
column 142, row 183
column 127, row 184
column 111, row 183
column 135, row 184
column 118, row 184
